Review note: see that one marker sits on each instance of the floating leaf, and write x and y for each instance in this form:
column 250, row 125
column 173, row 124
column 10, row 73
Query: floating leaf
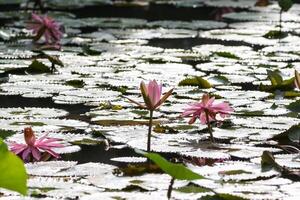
column 292, row 134
column 223, row 197
column 76, row 83
column 275, row 34
column 268, row 161
column 6, row 133
column 37, row 67
column 191, row 188
column 277, row 82
column 195, row 81
column 227, row 55
column 294, row 106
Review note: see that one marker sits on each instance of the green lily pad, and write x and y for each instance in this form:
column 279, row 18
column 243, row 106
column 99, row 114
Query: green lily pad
column 37, row 67
column 225, row 54
column 6, row 133
column 294, row 106
column 273, row 34
column 76, row 83
column 195, row 81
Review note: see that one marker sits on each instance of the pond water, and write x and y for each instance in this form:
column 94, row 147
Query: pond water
column 220, row 47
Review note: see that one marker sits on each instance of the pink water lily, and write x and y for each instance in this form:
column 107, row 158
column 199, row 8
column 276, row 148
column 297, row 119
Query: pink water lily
column 47, row 27
column 34, row 149
column 206, row 107
column 206, row 111
column 152, row 95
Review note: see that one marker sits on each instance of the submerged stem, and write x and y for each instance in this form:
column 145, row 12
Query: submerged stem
column 170, row 188
column 209, row 127
column 149, row 132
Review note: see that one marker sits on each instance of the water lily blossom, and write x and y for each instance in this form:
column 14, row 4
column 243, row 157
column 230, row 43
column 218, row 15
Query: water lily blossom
column 34, row 149
column 152, row 95
column 153, row 98
column 206, row 106
column 207, row 111
column 47, row 27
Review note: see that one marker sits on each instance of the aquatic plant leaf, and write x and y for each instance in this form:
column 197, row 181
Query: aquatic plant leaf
column 192, row 189
column 195, row 81
column 275, row 77
column 137, row 169
column 292, row 134
column 13, row 174
column 294, row 106
column 227, row 55
column 223, row 196
column 268, row 161
column 177, row 171
column 6, row 133
column 285, row 5
column 76, row 83
column 37, row 67
column 274, row 34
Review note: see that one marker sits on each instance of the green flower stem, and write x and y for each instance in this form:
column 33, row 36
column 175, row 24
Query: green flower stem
column 170, row 188
column 149, row 132
column 280, row 21
column 209, row 127
column 52, row 68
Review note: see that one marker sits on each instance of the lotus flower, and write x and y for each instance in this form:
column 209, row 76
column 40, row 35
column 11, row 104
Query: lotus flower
column 152, row 95
column 34, row 149
column 47, row 27
column 207, row 112
column 297, row 79
column 206, row 107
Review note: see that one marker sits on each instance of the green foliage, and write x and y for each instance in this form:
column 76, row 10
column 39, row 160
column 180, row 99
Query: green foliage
column 177, row 171
column 37, row 67
column 137, row 169
column 292, row 134
column 273, row 34
column 192, row 189
column 294, row 106
column 221, row 79
column 277, row 82
column 195, row 81
column 164, row 129
column 222, row 197
column 76, row 83
column 225, row 54
column 13, row 174
column 6, row 133
column 268, row 161
column 121, row 89
column 275, row 77
column 285, row 5
column 235, row 172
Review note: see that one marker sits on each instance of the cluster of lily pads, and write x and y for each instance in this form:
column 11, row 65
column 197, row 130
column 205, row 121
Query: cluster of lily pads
column 83, row 74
